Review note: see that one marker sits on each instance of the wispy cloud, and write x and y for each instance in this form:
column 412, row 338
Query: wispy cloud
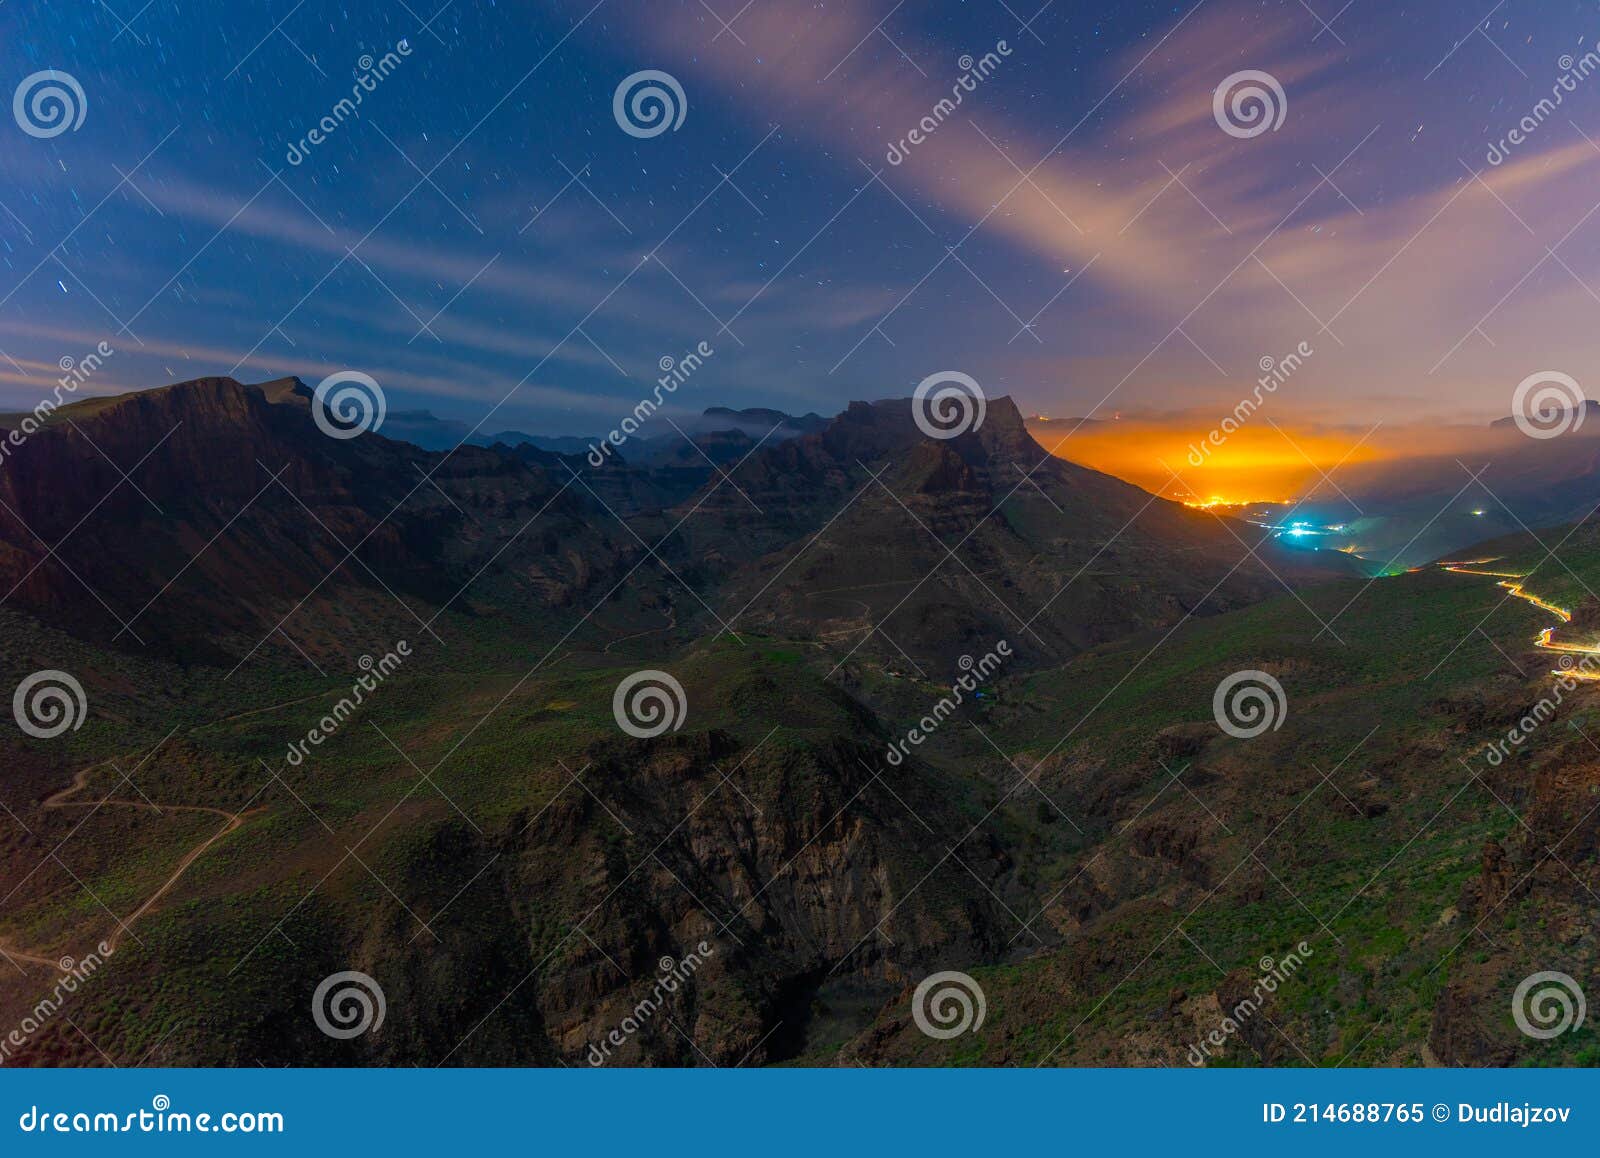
column 1209, row 251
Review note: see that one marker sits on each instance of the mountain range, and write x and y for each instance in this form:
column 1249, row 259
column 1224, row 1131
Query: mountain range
column 422, row 428
column 481, row 833
column 289, row 516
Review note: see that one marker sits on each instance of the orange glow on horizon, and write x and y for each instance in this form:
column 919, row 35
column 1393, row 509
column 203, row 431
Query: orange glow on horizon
column 1255, row 464
column 1221, row 501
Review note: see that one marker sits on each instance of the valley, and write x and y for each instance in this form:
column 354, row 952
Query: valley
column 480, row 835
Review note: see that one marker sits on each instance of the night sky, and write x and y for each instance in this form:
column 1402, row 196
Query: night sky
column 486, row 241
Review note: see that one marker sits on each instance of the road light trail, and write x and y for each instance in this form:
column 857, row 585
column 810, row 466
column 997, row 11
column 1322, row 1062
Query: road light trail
column 1511, row 581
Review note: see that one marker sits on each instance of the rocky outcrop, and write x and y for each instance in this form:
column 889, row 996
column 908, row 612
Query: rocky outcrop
column 802, row 873
column 1546, row 864
column 1457, row 1036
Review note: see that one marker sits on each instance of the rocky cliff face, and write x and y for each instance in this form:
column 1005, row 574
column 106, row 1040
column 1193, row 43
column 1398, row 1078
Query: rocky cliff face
column 777, row 870
column 804, row 878
column 1548, row 868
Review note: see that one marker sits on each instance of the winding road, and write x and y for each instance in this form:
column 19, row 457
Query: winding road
column 1512, row 582
column 80, row 781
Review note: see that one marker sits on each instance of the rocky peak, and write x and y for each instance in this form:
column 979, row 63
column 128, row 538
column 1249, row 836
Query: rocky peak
column 876, row 430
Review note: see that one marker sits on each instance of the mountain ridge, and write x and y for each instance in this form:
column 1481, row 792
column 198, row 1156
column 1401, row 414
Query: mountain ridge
column 249, row 476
